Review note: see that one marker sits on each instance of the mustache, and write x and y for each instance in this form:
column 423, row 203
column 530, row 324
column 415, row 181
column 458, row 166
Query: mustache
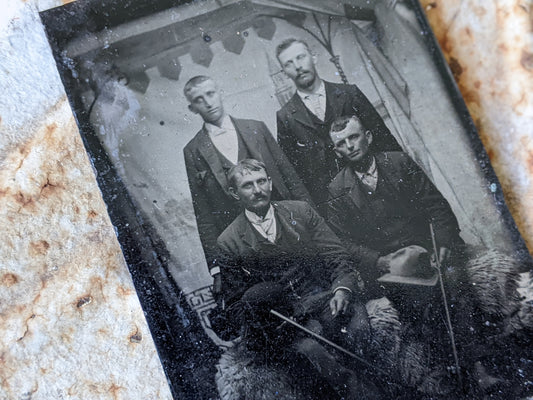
column 260, row 196
column 304, row 71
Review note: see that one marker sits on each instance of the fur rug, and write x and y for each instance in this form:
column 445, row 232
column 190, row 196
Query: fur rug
column 239, row 377
column 502, row 294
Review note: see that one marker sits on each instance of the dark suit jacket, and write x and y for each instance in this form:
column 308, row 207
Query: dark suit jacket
column 213, row 205
column 307, row 144
column 314, row 265
column 418, row 201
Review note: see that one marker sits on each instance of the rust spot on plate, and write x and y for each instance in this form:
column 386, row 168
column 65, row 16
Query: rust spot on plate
column 503, row 48
column 97, row 283
column 51, row 129
column 136, row 337
column 39, row 248
column 23, row 200
column 103, row 332
column 9, row 279
column 456, row 67
column 521, row 102
column 526, row 60
column 49, row 188
column 122, row 291
column 477, row 84
column 92, row 214
column 490, row 152
column 479, row 11
column 530, row 162
column 83, row 301
column 114, row 389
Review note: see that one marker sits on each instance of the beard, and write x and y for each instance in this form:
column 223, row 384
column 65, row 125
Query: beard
column 259, row 204
column 260, row 197
column 305, row 79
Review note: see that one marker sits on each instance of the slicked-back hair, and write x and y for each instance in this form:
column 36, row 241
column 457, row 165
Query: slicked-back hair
column 288, row 43
column 341, row 122
column 194, row 81
column 248, row 164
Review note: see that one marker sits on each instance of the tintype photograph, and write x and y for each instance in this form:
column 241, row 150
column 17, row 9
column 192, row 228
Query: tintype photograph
column 301, row 197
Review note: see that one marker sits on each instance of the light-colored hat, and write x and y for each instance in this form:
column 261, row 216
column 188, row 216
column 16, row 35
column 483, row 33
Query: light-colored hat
column 411, row 266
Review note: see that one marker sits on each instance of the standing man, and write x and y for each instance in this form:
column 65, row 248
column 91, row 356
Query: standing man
column 304, row 122
column 220, row 144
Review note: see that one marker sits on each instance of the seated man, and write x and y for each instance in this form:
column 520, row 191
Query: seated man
column 380, row 203
column 381, row 206
column 282, row 255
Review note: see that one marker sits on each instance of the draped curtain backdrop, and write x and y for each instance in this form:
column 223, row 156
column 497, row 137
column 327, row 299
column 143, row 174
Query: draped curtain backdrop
column 135, row 77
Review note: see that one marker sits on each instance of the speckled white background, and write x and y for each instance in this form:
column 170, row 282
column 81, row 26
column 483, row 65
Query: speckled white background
column 489, row 47
column 70, row 320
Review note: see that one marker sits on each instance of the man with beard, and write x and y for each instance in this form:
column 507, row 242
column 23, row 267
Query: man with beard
column 304, row 122
column 283, row 255
column 219, row 145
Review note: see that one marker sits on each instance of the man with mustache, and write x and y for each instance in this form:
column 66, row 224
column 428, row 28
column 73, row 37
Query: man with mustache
column 283, row 255
column 304, row 122
column 219, row 145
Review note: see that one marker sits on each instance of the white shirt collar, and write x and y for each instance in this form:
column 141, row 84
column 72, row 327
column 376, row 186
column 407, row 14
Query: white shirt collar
column 224, row 126
column 256, row 219
column 372, row 170
column 321, row 91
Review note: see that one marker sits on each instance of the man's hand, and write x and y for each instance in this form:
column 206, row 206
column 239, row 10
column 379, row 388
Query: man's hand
column 383, row 264
column 444, row 256
column 340, row 301
column 217, row 284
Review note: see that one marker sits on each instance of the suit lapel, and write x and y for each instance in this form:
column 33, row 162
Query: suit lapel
column 246, row 232
column 249, row 138
column 299, row 111
column 353, row 188
column 335, row 101
column 208, row 151
column 389, row 174
column 285, row 218
column 352, row 200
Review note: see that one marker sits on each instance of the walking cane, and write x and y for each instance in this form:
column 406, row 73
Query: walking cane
column 448, row 318
column 329, row 342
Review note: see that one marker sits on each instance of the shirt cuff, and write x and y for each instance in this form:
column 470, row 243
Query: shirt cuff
column 215, row 270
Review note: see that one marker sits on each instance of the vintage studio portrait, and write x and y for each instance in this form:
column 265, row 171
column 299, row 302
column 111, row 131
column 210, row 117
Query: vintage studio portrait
column 306, row 192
